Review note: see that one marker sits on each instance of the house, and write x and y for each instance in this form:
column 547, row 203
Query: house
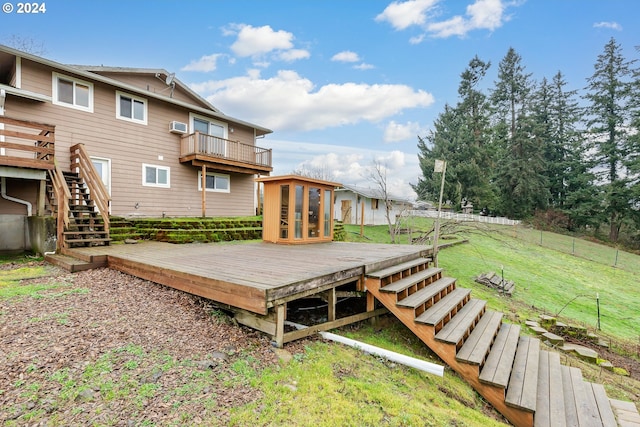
column 352, row 201
column 139, row 142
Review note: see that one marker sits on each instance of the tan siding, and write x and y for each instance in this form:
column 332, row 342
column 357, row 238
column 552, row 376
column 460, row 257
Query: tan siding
column 129, row 145
column 21, row 189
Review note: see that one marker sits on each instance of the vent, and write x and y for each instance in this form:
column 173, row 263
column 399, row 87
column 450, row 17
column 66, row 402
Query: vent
column 178, row 127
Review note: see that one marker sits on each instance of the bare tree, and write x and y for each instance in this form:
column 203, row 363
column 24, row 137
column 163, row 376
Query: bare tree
column 27, row 45
column 323, row 172
column 378, row 174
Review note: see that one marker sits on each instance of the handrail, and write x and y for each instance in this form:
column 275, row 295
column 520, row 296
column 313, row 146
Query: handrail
column 214, row 146
column 63, row 195
column 81, row 164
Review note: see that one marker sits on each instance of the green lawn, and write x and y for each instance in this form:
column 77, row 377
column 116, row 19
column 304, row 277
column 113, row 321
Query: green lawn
column 548, row 280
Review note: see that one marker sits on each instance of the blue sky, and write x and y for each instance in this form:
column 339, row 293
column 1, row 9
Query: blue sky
column 343, row 84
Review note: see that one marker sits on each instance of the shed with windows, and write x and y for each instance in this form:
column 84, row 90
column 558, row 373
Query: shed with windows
column 297, row 209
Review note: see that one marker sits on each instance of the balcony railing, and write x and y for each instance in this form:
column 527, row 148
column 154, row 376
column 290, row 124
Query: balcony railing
column 215, row 149
column 26, row 144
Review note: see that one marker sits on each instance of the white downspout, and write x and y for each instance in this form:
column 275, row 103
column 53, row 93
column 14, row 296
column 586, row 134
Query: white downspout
column 3, row 193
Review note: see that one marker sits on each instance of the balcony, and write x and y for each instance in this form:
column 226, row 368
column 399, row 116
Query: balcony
column 224, row 154
column 26, row 144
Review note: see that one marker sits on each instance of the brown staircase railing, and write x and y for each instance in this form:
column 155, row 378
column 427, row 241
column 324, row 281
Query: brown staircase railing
column 62, row 196
column 82, row 165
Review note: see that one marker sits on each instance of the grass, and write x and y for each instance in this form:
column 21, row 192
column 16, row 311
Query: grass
column 549, row 280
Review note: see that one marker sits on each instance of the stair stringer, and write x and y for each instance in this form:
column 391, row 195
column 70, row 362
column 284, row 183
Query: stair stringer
column 447, row 352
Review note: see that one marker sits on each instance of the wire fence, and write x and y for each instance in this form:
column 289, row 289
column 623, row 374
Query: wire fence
column 463, row 217
column 580, row 247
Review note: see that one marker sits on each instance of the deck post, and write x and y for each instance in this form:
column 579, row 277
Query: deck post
column 281, row 316
column 42, row 188
column 371, row 305
column 331, row 299
column 203, row 184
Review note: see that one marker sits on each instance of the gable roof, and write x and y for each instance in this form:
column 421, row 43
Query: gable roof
column 372, row 193
column 92, row 73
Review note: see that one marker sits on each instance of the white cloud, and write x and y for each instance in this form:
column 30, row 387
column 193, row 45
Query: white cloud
column 294, row 55
column 397, row 132
column 252, row 41
column 480, row 15
column 606, row 24
column 291, row 102
column 205, row 63
column 346, row 56
column 402, row 15
column 346, row 165
column 364, row 66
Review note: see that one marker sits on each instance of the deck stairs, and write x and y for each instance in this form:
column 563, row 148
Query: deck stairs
column 525, row 383
column 86, row 226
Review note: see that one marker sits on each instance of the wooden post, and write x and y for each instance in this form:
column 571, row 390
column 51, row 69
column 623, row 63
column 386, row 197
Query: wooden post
column 41, row 197
column 362, row 218
column 203, row 183
column 258, row 204
column 371, row 305
column 281, row 316
column 331, row 299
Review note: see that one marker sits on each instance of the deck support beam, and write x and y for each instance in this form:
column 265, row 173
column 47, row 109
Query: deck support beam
column 331, row 300
column 281, row 316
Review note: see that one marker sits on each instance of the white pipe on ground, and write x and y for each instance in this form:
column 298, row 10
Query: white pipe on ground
column 412, row 362
column 3, row 193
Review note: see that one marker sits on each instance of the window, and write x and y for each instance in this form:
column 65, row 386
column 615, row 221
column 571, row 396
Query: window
column 73, row 93
column 215, row 182
column 131, row 108
column 208, row 127
column 156, row 176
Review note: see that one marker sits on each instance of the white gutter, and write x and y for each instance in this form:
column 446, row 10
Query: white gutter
column 3, row 193
column 412, row 362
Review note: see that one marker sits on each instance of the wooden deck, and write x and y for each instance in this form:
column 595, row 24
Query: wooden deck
column 256, row 279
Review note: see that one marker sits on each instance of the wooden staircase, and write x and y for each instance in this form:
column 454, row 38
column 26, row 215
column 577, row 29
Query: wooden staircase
column 525, row 383
column 78, row 198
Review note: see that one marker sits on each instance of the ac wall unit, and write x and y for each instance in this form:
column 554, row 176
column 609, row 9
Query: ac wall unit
column 178, row 127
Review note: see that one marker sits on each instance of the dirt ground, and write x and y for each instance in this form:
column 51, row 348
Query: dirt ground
column 51, row 345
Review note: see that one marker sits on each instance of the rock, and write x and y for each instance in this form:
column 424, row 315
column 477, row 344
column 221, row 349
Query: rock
column 532, row 324
column 538, row 330
column 606, row 365
column 553, row 338
column 547, row 321
column 283, row 355
column 219, row 356
column 130, row 241
column 582, row 352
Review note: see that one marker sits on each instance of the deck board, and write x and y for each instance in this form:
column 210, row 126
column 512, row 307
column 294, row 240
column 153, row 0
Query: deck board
column 254, row 275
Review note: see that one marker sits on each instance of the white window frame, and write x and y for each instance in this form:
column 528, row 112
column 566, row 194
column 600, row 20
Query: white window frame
column 156, row 184
column 224, row 125
column 133, row 98
column 215, row 190
column 54, row 81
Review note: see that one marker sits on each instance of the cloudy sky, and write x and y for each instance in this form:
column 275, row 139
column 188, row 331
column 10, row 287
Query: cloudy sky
column 343, row 84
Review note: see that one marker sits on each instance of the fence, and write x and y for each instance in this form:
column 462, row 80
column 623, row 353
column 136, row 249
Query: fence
column 462, row 217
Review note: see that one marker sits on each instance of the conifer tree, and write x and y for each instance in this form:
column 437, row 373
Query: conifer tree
column 610, row 113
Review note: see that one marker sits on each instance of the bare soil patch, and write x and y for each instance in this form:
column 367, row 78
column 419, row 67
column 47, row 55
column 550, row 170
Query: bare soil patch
column 104, row 348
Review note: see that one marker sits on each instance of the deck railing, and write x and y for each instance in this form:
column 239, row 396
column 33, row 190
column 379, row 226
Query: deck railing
column 216, row 147
column 82, row 165
column 26, row 144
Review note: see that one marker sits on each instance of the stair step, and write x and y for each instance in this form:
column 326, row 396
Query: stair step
column 98, row 240
column 402, row 284
column 434, row 292
column 497, row 368
column 600, row 401
column 550, row 410
column 626, row 412
column 523, row 383
column 79, row 233
column 569, row 377
column 476, row 348
column 440, row 313
column 463, row 323
column 390, row 271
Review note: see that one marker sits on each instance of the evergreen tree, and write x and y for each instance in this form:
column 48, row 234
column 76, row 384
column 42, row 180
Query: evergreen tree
column 460, row 137
column 520, row 173
column 610, row 110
